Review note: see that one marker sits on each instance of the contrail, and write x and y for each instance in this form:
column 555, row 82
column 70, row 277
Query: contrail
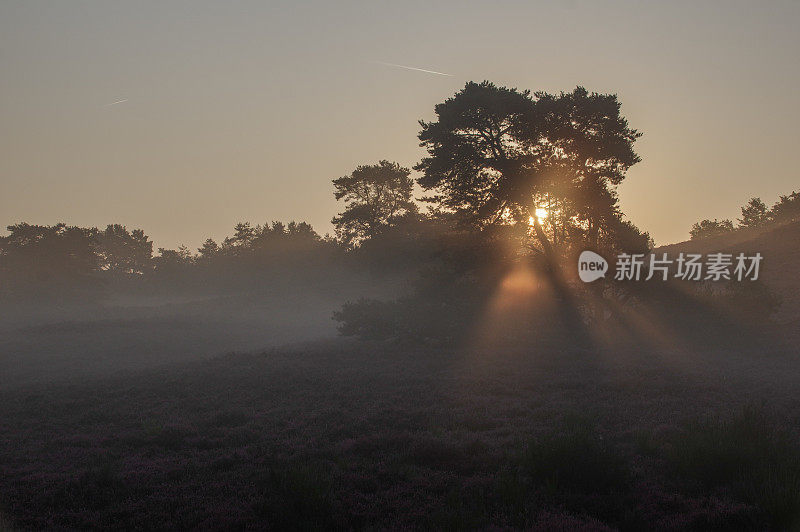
column 412, row 68
column 115, row 103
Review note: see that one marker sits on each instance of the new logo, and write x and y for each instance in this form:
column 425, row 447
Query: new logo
column 591, row 266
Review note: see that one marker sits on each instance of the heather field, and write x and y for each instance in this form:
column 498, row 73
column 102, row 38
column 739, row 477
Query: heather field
column 350, row 435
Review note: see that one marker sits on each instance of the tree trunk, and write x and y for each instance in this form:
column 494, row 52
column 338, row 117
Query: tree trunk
column 568, row 303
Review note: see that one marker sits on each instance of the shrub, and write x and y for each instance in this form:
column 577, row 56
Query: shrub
column 709, row 228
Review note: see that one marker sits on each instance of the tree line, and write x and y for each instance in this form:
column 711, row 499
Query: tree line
column 510, row 179
column 755, row 213
column 497, row 157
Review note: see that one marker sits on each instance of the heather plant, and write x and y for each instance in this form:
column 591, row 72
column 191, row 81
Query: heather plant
column 575, row 465
column 749, row 455
column 295, row 497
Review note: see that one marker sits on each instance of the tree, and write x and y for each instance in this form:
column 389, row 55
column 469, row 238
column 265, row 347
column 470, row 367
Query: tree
column 754, row 213
column 278, row 232
column 588, row 144
column 709, row 228
column 476, row 148
column 123, row 251
column 376, row 196
column 787, row 208
column 498, row 155
column 173, row 259
column 209, row 249
column 49, row 260
column 625, row 236
column 242, row 238
column 301, row 230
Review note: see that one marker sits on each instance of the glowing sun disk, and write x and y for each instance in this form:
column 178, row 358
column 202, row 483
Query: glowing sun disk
column 540, row 213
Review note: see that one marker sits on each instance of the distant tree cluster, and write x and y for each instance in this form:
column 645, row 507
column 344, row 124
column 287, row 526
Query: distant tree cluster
column 36, row 260
column 754, row 214
column 64, row 261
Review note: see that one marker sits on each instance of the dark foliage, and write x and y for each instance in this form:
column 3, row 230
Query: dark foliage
column 709, row 228
column 376, row 198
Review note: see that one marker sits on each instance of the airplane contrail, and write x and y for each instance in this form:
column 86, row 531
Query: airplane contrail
column 115, row 103
column 412, row 68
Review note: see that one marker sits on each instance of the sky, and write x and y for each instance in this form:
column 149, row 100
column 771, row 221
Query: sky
column 183, row 118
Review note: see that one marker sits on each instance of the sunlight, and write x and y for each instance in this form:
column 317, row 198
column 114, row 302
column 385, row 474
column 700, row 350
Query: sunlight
column 515, row 292
column 540, row 213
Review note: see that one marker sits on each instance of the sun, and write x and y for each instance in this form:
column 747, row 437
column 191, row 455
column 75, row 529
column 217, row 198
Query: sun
column 540, row 213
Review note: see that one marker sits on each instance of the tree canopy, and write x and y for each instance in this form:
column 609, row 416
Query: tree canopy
column 755, row 213
column 124, row 251
column 709, row 228
column 376, row 196
column 500, row 155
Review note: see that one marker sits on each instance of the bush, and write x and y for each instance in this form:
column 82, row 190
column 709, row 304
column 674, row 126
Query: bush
column 368, row 319
column 709, row 228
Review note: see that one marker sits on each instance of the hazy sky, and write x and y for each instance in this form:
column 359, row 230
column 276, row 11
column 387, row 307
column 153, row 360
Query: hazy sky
column 246, row 110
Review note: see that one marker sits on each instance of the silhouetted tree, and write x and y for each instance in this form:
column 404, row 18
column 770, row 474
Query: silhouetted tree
column 787, row 208
column 209, row 249
column 123, row 251
column 376, row 197
column 242, row 237
column 625, row 236
column 754, row 214
column 301, row 230
column 707, row 228
column 584, row 150
column 173, row 259
column 47, row 260
column 496, row 155
column 278, row 233
column 477, row 147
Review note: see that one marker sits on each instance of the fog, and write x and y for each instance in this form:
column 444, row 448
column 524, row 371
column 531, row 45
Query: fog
column 72, row 340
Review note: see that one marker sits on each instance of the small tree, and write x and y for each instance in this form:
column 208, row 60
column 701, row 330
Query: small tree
column 787, row 208
column 708, row 228
column 376, row 196
column 754, row 214
column 243, row 236
column 209, row 249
